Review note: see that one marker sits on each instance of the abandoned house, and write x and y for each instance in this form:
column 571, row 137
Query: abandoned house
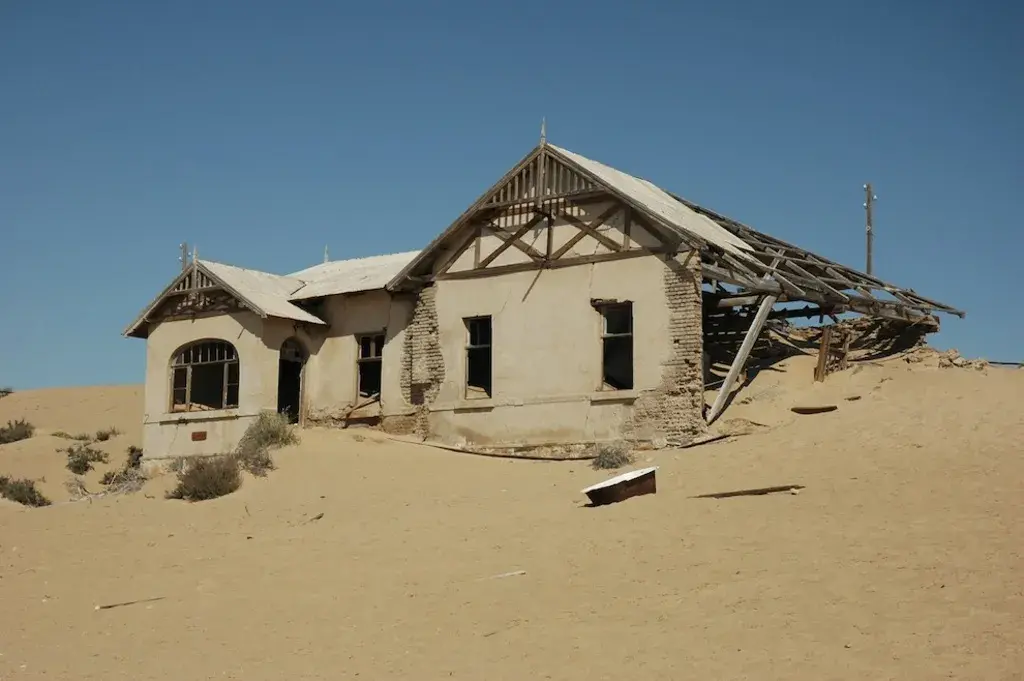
column 567, row 306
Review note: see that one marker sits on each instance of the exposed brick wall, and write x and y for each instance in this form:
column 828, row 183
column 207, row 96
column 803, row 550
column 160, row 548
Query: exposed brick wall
column 401, row 424
column 422, row 365
column 674, row 410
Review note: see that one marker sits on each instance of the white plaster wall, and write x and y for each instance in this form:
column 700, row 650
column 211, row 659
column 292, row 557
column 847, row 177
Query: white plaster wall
column 167, row 434
column 331, row 377
column 547, row 351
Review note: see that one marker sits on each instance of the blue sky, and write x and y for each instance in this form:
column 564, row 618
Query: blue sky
column 264, row 130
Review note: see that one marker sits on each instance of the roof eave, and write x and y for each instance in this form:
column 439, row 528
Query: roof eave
column 132, row 331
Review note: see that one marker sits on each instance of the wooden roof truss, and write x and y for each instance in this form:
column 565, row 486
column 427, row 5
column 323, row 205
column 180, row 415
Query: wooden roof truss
column 793, row 273
column 189, row 292
column 545, row 179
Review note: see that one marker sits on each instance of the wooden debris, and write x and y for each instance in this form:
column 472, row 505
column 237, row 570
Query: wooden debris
column 760, row 491
column 833, row 353
column 124, row 603
column 707, row 439
column 514, row 573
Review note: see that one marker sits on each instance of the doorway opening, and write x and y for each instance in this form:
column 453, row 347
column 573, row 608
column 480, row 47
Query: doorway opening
column 289, row 380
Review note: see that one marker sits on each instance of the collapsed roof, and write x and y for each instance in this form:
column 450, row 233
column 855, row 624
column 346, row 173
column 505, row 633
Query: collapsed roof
column 731, row 252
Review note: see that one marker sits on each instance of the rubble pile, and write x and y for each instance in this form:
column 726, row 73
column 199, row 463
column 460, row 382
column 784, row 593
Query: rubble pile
column 869, row 336
column 953, row 358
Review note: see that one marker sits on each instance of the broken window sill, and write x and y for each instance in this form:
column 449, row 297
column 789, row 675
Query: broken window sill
column 191, row 416
column 614, row 396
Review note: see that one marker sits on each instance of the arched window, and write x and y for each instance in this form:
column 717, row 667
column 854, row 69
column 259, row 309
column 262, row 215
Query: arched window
column 204, row 376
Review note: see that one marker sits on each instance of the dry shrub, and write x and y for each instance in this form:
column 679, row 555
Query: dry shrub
column 106, row 434
column 267, row 432
column 612, row 455
column 129, row 477
column 257, row 462
column 134, row 456
column 5, row 391
column 22, row 491
column 81, row 458
column 212, row 477
column 15, row 431
column 207, row 478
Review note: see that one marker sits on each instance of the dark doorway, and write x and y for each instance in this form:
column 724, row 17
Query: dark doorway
column 289, row 380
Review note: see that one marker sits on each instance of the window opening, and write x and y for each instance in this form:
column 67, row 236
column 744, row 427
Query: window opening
column 478, row 357
column 204, row 377
column 617, row 346
column 371, row 364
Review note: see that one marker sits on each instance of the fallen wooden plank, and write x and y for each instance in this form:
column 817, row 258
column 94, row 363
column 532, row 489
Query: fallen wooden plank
column 124, row 603
column 514, row 573
column 751, row 492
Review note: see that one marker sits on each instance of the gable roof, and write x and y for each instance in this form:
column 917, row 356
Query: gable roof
column 668, row 214
column 274, row 295
column 264, row 293
column 730, row 251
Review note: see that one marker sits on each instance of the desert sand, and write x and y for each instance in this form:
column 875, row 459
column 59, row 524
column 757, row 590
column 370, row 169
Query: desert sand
column 365, row 557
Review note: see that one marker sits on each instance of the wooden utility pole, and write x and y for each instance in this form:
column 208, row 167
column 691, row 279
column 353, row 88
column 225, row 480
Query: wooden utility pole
column 869, row 199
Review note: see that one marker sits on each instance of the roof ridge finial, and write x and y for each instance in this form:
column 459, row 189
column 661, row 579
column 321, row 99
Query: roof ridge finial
column 326, row 256
column 543, row 131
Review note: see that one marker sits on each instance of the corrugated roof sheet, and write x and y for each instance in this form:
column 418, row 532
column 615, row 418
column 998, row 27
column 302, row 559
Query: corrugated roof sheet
column 268, row 292
column 659, row 202
column 349, row 276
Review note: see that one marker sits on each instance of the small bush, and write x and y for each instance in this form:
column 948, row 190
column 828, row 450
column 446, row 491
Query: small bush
column 82, row 437
column 4, row 392
column 129, row 477
column 257, row 462
column 22, row 491
column 15, row 431
column 124, row 480
column 612, row 455
column 62, row 434
column 209, row 478
column 81, row 458
column 106, row 434
column 268, row 431
column 134, row 456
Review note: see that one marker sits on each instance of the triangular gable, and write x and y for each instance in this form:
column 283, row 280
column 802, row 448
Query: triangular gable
column 549, row 172
column 196, row 289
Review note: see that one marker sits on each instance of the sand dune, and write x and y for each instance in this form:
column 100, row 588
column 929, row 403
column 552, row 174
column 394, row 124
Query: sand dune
column 900, row 559
column 78, row 410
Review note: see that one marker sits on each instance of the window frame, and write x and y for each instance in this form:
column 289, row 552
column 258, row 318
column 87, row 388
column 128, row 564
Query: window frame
column 470, row 391
column 227, row 357
column 377, row 359
column 603, row 310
